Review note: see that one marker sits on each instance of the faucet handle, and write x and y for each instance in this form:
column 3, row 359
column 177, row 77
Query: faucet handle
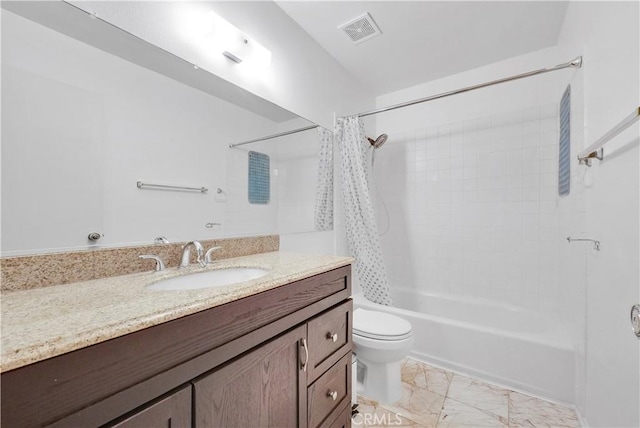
column 158, row 260
column 208, row 259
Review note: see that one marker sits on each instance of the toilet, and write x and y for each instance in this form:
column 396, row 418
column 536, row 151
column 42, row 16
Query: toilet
column 381, row 341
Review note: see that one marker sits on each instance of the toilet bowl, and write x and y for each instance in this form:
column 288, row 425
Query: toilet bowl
column 381, row 342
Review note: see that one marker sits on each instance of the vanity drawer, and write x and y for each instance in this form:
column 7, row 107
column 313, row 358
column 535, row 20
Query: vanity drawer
column 328, row 395
column 329, row 337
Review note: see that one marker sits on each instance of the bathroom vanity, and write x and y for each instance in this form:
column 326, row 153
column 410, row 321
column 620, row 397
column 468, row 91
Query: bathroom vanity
column 275, row 352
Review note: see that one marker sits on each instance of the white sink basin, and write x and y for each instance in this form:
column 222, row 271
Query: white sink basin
column 208, row 279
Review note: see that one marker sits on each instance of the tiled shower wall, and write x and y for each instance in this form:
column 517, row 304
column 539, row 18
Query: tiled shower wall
column 473, row 207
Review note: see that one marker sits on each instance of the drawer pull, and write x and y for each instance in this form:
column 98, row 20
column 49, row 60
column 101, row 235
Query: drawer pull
column 333, row 337
column 306, row 355
column 333, row 395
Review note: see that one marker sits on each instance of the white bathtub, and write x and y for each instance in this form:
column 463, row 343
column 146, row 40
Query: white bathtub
column 507, row 345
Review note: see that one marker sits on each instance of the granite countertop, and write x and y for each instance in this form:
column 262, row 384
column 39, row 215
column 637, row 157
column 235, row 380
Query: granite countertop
column 45, row 322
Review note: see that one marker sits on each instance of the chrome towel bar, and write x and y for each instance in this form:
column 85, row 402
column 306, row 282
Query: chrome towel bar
column 595, row 151
column 596, row 244
column 142, row 185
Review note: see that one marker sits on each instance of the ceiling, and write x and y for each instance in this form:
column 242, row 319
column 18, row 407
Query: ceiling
column 426, row 40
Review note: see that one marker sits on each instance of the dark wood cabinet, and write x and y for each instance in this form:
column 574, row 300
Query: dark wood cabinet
column 264, row 388
column 279, row 384
column 329, row 333
column 329, row 394
column 343, row 420
column 173, row 411
column 260, row 361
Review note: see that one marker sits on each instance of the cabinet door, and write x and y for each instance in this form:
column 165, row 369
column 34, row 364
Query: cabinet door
column 263, row 388
column 173, row 411
column 343, row 420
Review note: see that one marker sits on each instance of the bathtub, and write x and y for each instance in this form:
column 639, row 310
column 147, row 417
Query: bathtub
column 507, row 345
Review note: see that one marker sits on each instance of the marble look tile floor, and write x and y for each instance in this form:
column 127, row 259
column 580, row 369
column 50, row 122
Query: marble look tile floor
column 437, row 398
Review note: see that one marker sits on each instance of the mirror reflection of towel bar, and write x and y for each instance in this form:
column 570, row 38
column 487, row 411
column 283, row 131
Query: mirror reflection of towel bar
column 140, row 185
column 596, row 244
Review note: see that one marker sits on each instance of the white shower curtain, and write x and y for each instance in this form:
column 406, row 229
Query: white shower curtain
column 362, row 230
column 323, row 218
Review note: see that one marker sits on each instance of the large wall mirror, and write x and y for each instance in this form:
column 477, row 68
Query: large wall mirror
column 89, row 111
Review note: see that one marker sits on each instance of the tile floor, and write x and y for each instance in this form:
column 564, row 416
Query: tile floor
column 437, row 398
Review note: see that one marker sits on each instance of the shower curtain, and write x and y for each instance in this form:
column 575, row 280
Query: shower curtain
column 323, row 218
column 362, row 230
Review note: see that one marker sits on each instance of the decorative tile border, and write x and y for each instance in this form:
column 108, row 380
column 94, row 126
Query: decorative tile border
column 42, row 270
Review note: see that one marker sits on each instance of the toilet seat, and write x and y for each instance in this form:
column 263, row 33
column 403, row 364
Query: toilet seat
column 380, row 326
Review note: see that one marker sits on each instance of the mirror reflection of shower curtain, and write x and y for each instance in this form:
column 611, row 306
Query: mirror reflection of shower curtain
column 362, row 230
column 323, row 217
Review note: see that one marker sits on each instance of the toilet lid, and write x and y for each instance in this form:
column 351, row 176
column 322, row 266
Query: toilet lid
column 380, row 325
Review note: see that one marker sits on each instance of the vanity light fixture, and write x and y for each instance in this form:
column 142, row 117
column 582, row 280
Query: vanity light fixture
column 228, row 40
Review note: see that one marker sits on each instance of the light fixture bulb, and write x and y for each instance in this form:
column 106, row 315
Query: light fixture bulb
column 223, row 38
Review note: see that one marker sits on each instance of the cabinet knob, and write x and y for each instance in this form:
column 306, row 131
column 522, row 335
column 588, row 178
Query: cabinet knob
column 332, row 336
column 333, row 395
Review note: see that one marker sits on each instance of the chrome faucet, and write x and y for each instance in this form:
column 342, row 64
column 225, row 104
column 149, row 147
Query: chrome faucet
column 186, row 253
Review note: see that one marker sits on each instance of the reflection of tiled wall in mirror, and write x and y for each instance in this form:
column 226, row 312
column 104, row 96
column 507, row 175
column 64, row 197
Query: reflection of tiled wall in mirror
column 293, row 184
column 297, row 181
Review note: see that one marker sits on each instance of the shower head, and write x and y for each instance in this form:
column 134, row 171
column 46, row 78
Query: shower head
column 378, row 142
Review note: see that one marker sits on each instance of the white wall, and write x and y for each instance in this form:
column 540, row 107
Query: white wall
column 608, row 35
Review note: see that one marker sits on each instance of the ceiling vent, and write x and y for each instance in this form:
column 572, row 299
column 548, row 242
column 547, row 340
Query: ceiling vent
column 361, row 29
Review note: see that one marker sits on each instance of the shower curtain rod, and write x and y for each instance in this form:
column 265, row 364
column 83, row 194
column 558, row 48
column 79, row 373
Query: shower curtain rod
column 574, row 63
column 268, row 137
